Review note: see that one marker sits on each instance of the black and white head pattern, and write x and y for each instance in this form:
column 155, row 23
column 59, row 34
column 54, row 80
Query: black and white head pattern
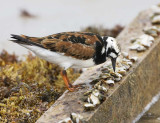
column 111, row 47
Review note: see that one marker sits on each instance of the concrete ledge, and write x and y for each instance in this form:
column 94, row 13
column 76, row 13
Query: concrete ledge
column 128, row 97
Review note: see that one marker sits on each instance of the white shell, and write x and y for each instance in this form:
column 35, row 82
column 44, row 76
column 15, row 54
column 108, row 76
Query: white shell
column 141, row 48
column 67, row 120
column 100, row 87
column 110, row 82
column 88, row 92
column 145, row 40
column 117, row 76
column 125, row 55
column 152, row 28
column 134, row 59
column 129, row 63
column 137, row 47
column 134, row 47
column 153, row 31
column 96, row 92
column 126, row 63
column 121, row 70
column 118, row 79
column 93, row 99
column 142, row 42
column 89, row 106
column 126, row 66
column 125, row 60
column 156, row 19
column 76, row 118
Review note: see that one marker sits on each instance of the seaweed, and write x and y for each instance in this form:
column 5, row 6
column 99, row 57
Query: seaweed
column 29, row 87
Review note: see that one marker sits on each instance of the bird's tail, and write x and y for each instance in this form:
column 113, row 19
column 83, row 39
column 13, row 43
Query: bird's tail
column 22, row 39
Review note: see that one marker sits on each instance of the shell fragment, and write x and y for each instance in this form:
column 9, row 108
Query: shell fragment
column 121, row 70
column 89, row 106
column 152, row 31
column 141, row 43
column 156, row 19
column 137, row 47
column 110, row 82
column 117, row 76
column 134, row 59
column 76, row 118
column 93, row 99
column 100, row 87
column 67, row 120
column 125, row 55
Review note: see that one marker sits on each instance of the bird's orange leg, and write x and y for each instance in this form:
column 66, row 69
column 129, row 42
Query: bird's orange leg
column 69, row 86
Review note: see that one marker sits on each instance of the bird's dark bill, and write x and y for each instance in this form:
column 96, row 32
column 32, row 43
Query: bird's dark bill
column 113, row 63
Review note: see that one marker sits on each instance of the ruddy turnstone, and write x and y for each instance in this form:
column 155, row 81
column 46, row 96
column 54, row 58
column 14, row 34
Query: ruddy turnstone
column 72, row 49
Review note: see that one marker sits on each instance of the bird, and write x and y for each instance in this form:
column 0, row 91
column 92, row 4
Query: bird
column 72, row 50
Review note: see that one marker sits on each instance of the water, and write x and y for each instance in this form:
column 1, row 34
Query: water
column 63, row 15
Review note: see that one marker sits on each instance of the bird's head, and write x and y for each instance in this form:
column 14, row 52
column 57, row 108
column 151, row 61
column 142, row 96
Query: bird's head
column 112, row 49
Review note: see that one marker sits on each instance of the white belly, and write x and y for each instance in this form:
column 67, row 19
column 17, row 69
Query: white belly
column 59, row 58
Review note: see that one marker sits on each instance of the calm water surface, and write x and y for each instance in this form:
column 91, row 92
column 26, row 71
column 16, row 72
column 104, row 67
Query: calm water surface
column 63, row 15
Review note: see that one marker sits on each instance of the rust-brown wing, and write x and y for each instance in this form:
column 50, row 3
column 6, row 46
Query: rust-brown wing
column 86, row 38
column 76, row 50
column 36, row 40
column 80, row 45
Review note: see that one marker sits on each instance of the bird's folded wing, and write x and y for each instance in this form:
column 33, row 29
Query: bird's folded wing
column 80, row 45
column 76, row 50
column 86, row 38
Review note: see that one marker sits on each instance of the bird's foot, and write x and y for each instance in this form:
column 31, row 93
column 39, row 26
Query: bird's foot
column 69, row 86
column 72, row 88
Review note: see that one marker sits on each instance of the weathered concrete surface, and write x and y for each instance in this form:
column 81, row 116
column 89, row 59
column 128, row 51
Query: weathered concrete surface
column 152, row 115
column 128, row 97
